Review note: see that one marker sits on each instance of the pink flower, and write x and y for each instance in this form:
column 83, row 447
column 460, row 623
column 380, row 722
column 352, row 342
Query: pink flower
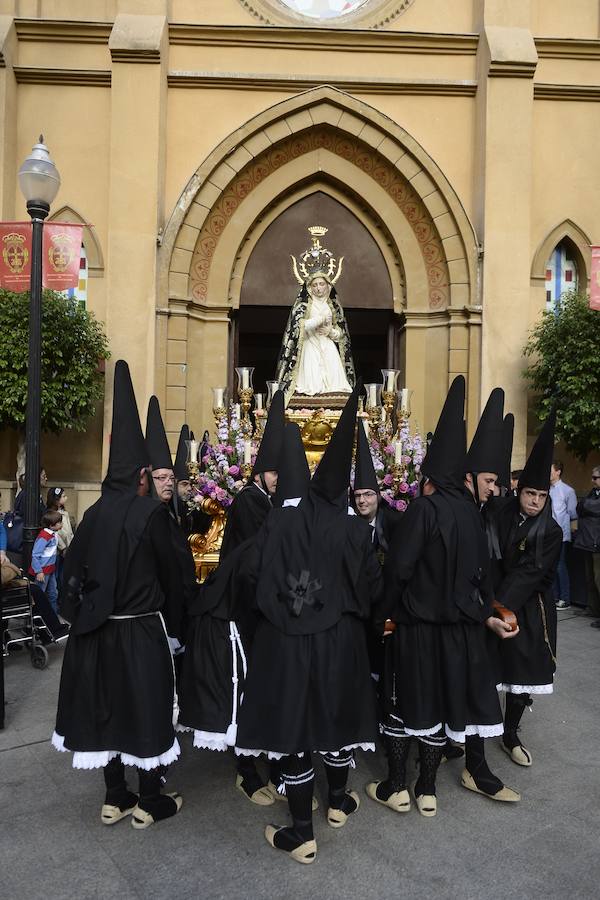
column 220, row 494
column 401, row 505
column 388, row 479
column 234, row 470
column 403, row 488
column 228, row 449
column 388, row 449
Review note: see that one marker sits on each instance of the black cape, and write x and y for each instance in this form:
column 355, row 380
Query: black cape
column 117, row 688
column 523, row 583
column 247, row 513
column 438, row 670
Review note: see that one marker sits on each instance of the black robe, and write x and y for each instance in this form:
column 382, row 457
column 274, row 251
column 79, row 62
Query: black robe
column 438, row 670
column 524, row 585
column 308, row 685
column 247, row 513
column 117, row 687
column 386, row 522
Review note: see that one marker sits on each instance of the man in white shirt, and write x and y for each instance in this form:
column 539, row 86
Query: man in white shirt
column 564, row 512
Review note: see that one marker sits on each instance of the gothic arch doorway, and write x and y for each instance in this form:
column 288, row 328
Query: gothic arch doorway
column 269, row 288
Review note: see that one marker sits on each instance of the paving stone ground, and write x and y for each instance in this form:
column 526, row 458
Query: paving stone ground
column 52, row 844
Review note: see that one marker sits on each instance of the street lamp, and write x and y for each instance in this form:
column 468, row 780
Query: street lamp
column 39, row 182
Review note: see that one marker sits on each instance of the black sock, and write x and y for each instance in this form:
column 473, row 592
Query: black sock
column 430, row 757
column 251, row 780
column 476, row 765
column 337, row 769
column 515, row 706
column 151, row 800
column 397, row 753
column 299, row 778
column 117, row 792
column 275, row 776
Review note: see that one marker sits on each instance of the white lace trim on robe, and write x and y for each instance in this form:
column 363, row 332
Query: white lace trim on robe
column 273, row 754
column 97, row 759
column 527, row 688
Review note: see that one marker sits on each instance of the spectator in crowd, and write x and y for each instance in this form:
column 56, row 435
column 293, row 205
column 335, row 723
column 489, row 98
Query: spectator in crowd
column 514, row 481
column 564, row 511
column 19, row 507
column 587, row 537
column 56, row 501
column 43, row 557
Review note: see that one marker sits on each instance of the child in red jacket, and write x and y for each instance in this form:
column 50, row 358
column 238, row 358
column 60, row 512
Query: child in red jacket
column 43, row 556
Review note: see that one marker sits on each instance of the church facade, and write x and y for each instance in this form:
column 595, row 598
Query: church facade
column 449, row 148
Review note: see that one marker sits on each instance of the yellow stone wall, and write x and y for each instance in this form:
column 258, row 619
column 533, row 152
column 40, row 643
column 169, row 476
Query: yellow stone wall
column 152, row 110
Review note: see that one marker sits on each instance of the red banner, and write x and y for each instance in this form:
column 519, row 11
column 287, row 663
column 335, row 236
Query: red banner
column 61, row 253
column 15, row 256
column 595, row 279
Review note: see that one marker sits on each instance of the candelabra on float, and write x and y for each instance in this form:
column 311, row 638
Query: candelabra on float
column 373, row 404
column 219, row 403
column 388, row 397
column 245, row 393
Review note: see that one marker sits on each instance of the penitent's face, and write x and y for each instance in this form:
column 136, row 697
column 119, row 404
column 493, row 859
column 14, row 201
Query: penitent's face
column 531, row 501
column 319, row 288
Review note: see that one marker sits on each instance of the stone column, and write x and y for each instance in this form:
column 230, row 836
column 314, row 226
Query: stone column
column 507, row 61
column 8, row 119
column 139, row 50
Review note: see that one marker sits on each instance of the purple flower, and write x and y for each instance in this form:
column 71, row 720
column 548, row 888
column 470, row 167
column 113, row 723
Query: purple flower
column 401, row 505
column 234, row 470
column 388, row 479
column 403, row 488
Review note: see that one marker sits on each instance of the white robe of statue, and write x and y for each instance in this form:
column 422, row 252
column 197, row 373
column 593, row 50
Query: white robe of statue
column 320, row 369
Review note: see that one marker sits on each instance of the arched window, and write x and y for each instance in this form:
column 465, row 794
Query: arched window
column 79, row 294
column 561, row 273
column 324, row 9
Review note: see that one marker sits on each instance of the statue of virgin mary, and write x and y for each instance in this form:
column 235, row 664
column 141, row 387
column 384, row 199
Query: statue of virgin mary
column 315, row 355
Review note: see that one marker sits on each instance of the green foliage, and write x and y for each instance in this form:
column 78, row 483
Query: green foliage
column 565, row 370
column 73, row 343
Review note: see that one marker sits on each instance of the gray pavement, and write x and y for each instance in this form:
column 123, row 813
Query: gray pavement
column 53, row 845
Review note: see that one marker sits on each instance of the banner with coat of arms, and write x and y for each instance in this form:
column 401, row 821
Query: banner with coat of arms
column 61, row 252
column 15, row 256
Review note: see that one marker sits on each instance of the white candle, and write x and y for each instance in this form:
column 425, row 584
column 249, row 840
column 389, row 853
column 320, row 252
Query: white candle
column 398, row 453
column 245, row 379
column 258, row 400
column 404, row 395
column 247, row 452
column 236, row 410
column 194, row 451
column 390, row 381
column 372, row 395
column 365, row 422
column 383, row 415
column 219, row 398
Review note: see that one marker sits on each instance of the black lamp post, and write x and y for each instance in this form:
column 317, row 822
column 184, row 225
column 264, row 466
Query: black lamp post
column 39, row 182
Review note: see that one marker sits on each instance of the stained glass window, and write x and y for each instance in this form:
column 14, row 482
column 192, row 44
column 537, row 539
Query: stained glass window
column 324, row 9
column 561, row 274
column 79, row 294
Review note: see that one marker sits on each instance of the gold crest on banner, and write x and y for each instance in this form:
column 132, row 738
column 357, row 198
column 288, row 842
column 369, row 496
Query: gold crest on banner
column 15, row 252
column 61, row 252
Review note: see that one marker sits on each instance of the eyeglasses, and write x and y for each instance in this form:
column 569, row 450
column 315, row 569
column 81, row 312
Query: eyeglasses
column 164, row 478
column 364, row 495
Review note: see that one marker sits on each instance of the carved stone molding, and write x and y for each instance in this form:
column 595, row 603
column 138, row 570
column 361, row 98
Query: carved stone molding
column 375, row 14
column 352, row 150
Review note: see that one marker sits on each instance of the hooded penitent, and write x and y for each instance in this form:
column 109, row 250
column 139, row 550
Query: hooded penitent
column 508, row 428
column 486, row 453
column 92, row 564
column 365, row 478
column 446, row 460
column 156, row 438
column 293, row 472
column 536, row 473
column 267, row 458
column 332, row 477
column 180, row 467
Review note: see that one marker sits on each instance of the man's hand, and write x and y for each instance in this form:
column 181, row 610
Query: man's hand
column 501, row 629
column 40, row 576
column 3, row 557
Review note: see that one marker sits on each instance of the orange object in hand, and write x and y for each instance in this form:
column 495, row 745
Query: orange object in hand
column 507, row 615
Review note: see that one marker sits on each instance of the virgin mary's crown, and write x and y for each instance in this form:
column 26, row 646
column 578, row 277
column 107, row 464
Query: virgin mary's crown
column 317, row 260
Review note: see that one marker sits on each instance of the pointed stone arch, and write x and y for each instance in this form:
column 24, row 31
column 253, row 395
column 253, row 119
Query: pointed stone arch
column 327, row 134
column 90, row 239
column 580, row 243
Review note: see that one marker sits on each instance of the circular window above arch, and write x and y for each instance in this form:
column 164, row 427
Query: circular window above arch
column 327, row 13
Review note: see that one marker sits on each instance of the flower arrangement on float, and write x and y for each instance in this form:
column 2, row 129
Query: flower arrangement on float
column 397, row 465
column 223, row 467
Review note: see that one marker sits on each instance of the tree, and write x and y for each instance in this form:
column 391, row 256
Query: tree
column 565, row 370
column 73, row 344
